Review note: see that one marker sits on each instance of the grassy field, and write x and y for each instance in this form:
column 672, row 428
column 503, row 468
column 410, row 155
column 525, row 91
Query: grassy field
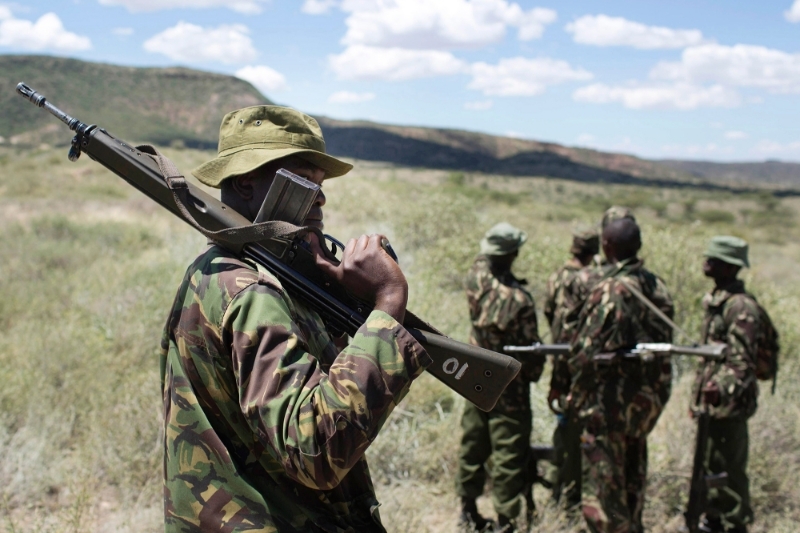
column 89, row 269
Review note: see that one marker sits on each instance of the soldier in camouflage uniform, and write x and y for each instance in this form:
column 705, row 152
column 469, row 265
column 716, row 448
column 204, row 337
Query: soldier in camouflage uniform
column 265, row 421
column 566, row 292
column 502, row 312
column 728, row 390
column 619, row 401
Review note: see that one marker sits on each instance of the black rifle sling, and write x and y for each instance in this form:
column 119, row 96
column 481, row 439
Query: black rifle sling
column 235, row 237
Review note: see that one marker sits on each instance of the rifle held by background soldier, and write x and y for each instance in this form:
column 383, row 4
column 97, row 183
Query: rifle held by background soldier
column 701, row 483
column 477, row 374
column 538, row 349
column 649, row 350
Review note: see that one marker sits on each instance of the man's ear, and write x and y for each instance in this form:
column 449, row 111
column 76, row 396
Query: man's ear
column 244, row 186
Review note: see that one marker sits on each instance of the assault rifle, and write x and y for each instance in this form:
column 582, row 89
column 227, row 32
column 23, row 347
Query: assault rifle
column 538, row 453
column 477, row 374
column 701, row 483
column 649, row 350
column 538, row 349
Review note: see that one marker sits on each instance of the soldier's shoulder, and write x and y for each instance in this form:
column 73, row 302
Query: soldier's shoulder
column 221, row 268
column 742, row 303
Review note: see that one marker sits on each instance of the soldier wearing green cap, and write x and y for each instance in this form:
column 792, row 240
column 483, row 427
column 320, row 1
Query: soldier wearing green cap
column 502, row 312
column 565, row 295
column 266, row 421
column 728, row 390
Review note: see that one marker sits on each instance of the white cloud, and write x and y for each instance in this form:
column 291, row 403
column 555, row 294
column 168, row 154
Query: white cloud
column 393, row 64
column 773, row 148
column 480, row 105
column 735, row 135
column 520, row 76
column 318, row 7
column 740, row 65
column 438, row 24
column 193, row 44
column 602, row 30
column 659, row 96
column 695, row 150
column 122, row 32
column 585, row 138
column 263, row 78
column 347, row 97
column 249, row 7
column 47, row 33
column 793, row 14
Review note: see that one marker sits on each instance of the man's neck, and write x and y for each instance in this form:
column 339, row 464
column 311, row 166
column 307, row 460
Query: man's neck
column 723, row 283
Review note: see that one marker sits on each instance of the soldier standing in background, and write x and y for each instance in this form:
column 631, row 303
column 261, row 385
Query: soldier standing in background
column 728, row 390
column 566, row 292
column 618, row 403
column 502, row 312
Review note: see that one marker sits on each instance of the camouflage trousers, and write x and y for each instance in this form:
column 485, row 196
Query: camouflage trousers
column 614, row 478
column 568, row 459
column 503, row 440
column 727, row 451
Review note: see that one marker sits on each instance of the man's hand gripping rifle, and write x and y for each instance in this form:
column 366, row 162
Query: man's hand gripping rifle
column 478, row 375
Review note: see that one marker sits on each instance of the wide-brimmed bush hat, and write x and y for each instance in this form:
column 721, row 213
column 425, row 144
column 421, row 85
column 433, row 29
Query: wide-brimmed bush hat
column 502, row 239
column 731, row 250
column 254, row 136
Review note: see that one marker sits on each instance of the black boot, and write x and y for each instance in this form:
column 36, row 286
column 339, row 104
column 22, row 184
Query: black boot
column 470, row 518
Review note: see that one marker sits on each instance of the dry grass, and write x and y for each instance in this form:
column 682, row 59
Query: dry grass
column 89, row 268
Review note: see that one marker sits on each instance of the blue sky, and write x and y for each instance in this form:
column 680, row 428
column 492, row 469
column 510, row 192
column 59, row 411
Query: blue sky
column 669, row 79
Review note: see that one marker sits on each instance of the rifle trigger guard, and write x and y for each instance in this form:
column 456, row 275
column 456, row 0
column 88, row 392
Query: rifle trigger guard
column 335, row 243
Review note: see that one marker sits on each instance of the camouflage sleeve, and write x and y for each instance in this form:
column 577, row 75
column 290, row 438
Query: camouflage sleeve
column 735, row 376
column 525, row 331
column 560, row 379
column 317, row 425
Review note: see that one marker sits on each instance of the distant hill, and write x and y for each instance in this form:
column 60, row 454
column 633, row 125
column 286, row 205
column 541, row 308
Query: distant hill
column 169, row 105
column 159, row 105
column 767, row 172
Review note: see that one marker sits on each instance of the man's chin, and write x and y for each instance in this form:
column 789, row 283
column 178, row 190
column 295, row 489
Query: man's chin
column 315, row 224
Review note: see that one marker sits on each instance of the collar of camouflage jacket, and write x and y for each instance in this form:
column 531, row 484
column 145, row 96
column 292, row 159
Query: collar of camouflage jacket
column 720, row 295
column 625, row 267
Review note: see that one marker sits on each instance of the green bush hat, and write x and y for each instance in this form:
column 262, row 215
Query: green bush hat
column 585, row 240
column 254, row 136
column 615, row 212
column 502, row 239
column 731, row 250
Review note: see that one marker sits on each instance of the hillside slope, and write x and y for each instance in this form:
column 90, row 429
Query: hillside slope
column 184, row 106
column 159, row 105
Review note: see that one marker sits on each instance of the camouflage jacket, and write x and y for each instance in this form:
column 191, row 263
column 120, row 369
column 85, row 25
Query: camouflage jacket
column 628, row 394
column 265, row 423
column 503, row 312
column 561, row 298
column 567, row 290
column 732, row 317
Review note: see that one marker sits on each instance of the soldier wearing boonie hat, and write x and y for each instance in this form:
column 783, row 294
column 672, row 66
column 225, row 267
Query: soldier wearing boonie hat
column 728, row 390
column 566, row 290
column 502, row 312
column 255, row 136
column 266, row 420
